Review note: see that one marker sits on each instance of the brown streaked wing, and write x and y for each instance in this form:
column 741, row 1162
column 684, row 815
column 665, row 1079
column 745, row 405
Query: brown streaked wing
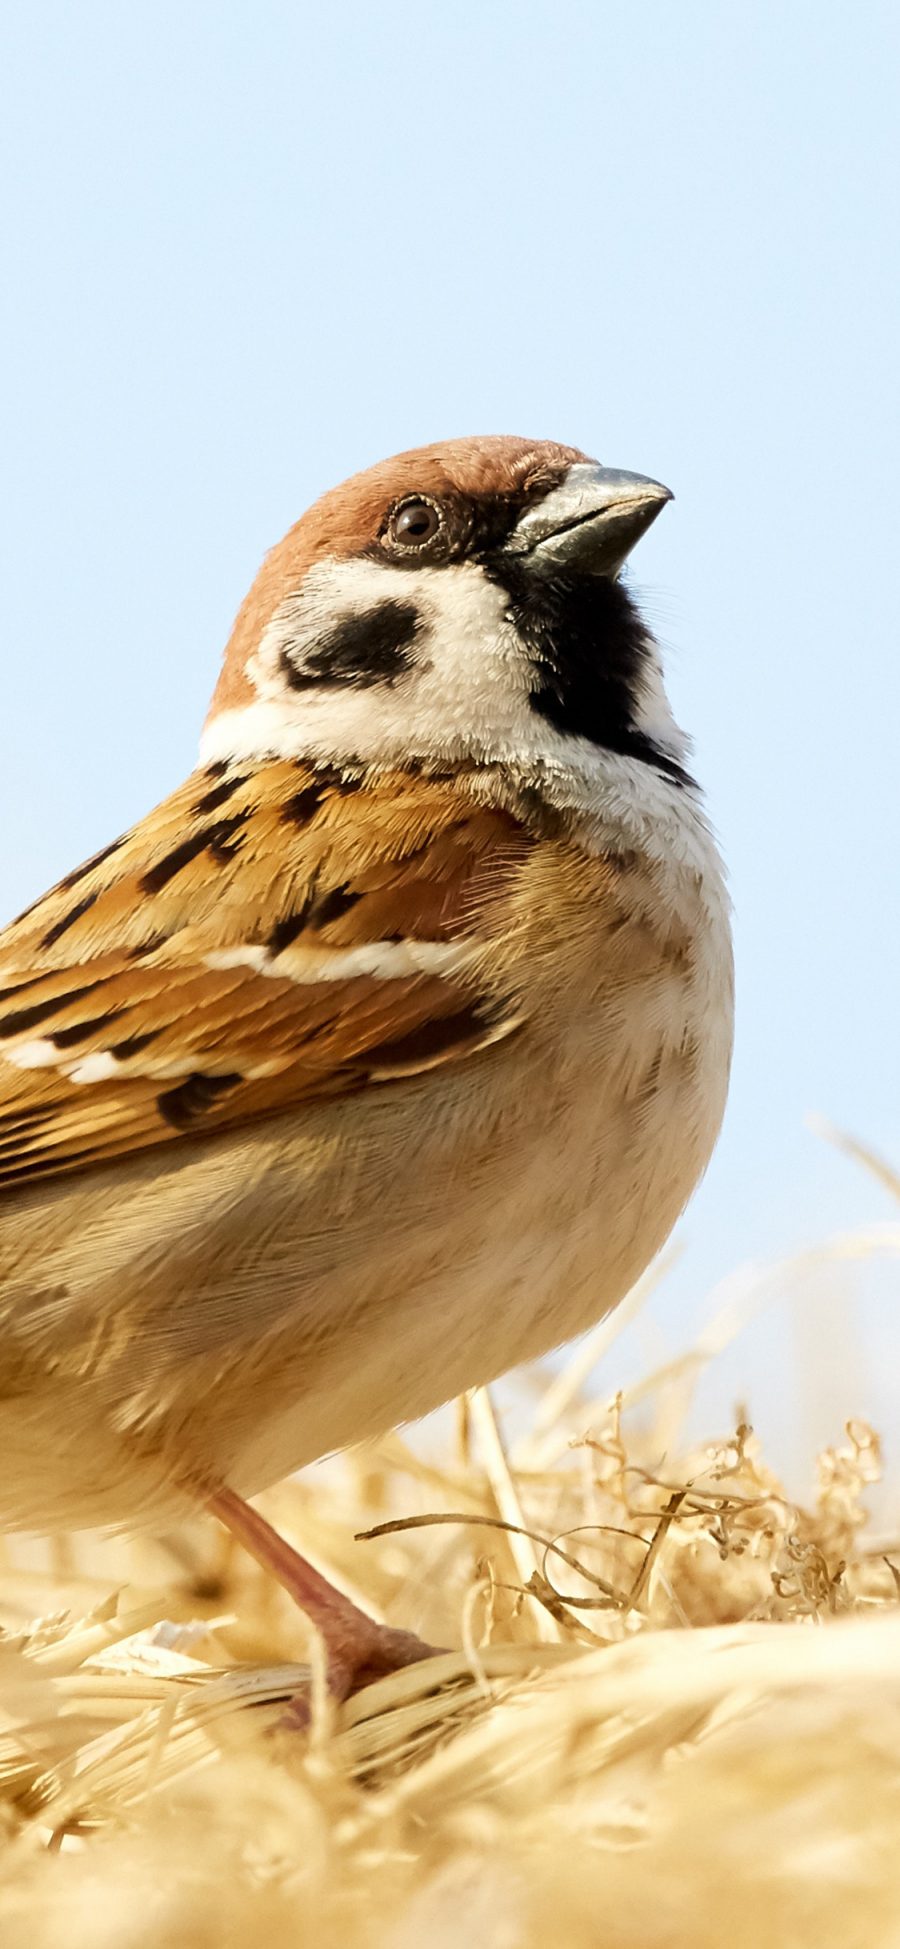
column 268, row 936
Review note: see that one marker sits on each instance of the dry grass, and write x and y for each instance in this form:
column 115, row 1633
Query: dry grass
column 674, row 1719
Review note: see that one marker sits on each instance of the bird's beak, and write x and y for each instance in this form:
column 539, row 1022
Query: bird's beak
column 591, row 521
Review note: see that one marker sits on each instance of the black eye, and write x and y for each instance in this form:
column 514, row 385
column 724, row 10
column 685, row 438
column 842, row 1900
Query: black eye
column 414, row 523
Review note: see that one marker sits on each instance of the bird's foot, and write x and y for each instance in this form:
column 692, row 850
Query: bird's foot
column 357, row 1649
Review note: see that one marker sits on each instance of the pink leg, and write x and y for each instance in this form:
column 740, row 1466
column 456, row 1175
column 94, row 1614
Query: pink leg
column 357, row 1650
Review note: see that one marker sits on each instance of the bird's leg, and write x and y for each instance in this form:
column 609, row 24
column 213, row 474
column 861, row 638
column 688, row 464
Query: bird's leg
column 357, row 1650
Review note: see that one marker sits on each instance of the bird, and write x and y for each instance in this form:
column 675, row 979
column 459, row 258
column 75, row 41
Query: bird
column 382, row 1055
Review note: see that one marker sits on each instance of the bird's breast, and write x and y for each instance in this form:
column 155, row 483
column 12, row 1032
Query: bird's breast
column 238, row 1307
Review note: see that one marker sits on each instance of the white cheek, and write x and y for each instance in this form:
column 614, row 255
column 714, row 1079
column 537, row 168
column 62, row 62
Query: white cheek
column 464, row 696
column 333, row 592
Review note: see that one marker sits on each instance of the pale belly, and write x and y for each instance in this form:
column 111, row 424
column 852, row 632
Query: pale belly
column 241, row 1309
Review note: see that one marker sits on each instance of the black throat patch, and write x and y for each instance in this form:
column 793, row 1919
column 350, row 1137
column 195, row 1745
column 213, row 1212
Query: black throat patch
column 589, row 649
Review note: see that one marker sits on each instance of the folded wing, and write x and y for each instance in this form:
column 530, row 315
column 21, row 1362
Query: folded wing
column 269, row 936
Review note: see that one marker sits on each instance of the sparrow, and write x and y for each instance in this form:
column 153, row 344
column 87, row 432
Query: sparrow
column 384, row 1054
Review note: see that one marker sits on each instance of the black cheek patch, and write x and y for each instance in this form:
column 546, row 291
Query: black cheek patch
column 363, row 649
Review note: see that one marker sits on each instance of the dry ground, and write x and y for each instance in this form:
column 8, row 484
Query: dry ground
column 673, row 1717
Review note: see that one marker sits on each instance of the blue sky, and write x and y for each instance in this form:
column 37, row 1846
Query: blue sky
column 248, row 250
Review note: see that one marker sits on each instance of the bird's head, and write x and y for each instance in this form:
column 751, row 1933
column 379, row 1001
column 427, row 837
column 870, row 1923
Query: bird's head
column 459, row 604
